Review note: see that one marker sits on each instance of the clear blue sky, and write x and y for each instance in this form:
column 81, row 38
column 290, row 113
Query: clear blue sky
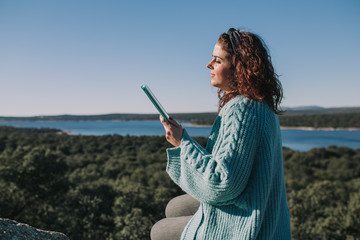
column 90, row 57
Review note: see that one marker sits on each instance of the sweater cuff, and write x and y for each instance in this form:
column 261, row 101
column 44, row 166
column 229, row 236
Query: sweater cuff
column 173, row 163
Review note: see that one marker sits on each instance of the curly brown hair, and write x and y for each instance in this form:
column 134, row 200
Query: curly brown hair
column 253, row 72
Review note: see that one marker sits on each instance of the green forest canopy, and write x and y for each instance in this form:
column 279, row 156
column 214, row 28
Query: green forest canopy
column 116, row 187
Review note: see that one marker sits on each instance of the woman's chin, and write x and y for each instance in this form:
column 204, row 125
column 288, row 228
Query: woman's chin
column 213, row 83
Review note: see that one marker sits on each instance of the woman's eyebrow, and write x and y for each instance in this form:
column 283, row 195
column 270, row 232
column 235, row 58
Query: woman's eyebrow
column 218, row 57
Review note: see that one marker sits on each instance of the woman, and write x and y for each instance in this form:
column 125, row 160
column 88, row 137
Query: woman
column 238, row 179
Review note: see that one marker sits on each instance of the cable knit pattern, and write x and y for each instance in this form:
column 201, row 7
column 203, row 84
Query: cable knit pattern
column 238, row 178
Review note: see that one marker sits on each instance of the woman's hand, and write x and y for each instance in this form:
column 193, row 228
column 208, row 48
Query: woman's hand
column 174, row 131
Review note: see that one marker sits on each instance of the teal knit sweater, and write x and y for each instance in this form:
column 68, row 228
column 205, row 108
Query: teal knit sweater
column 238, row 178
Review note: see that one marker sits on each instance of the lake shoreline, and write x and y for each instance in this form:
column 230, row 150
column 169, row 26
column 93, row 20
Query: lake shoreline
column 296, row 138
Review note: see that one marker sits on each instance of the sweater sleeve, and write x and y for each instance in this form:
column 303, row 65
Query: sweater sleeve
column 221, row 176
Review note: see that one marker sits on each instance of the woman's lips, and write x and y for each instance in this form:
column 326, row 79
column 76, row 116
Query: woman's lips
column 212, row 75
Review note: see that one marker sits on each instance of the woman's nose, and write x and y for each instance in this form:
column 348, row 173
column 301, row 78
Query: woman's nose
column 209, row 65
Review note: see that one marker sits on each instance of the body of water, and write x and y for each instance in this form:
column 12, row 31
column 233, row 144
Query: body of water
column 302, row 140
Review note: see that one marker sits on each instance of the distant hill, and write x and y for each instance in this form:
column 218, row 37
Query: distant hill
column 113, row 117
column 304, row 108
column 319, row 110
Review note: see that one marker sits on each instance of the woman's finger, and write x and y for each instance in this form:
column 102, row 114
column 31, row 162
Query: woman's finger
column 174, row 123
column 162, row 120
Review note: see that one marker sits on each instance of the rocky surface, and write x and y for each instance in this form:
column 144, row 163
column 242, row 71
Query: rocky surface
column 12, row 230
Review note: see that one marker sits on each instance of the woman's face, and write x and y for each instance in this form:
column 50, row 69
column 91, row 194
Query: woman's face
column 220, row 69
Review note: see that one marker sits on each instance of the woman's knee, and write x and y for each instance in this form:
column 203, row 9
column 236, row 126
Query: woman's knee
column 183, row 205
column 169, row 228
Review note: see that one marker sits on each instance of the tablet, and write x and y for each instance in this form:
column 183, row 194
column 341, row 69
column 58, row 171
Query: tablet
column 156, row 103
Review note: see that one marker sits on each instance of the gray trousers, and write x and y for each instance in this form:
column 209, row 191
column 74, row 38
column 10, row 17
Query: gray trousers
column 178, row 213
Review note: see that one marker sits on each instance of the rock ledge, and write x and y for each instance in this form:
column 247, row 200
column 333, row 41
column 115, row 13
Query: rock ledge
column 12, row 230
